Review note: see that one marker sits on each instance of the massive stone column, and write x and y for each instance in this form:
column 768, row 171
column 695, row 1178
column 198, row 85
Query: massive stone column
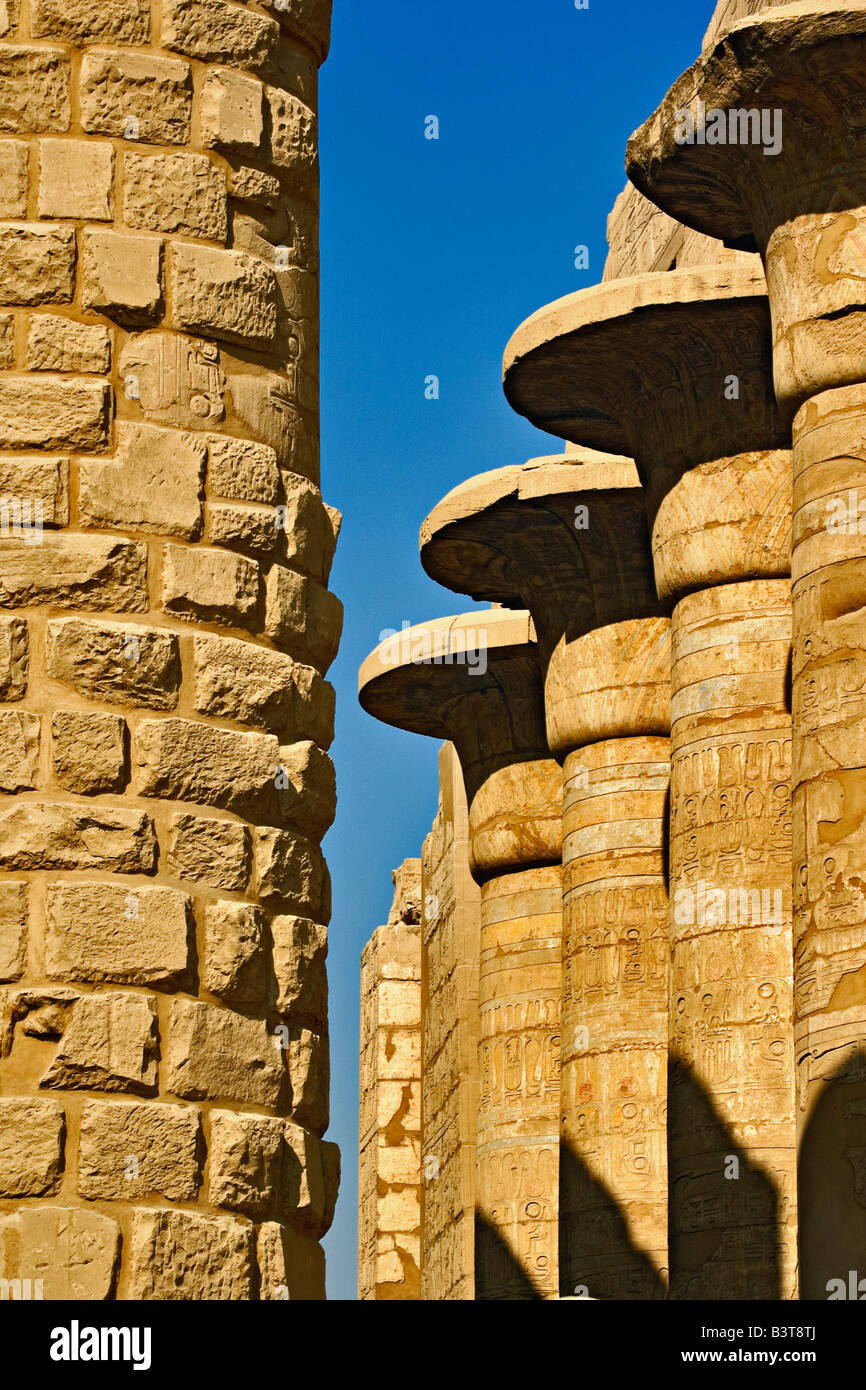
column 389, row 1147
column 567, row 537
column 163, row 573
column 799, row 69
column 476, row 680
column 675, row 369
column 450, row 934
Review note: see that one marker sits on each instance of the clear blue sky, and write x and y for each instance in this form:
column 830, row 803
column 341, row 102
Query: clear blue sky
column 432, row 253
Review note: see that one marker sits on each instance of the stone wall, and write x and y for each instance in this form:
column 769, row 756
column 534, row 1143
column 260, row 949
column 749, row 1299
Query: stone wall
column 389, row 1184
column 167, row 627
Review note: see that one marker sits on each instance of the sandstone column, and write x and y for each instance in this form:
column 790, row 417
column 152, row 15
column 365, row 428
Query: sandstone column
column 476, row 680
column 800, row 68
column 675, row 368
column 567, row 536
column 164, row 556
column 389, row 1150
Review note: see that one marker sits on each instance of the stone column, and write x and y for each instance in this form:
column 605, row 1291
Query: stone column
column 676, row 368
column 163, row 568
column 476, row 680
column 803, row 206
column 567, row 536
column 389, row 1149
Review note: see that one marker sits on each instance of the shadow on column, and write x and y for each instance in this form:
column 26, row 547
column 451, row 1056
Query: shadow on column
column 724, row 1209
column 499, row 1276
column 832, row 1186
column 596, row 1254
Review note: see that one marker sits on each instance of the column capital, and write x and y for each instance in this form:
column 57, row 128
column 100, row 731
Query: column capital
column 475, row 680
column 674, row 369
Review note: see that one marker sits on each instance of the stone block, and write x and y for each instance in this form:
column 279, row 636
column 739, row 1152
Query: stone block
column 242, row 469
column 309, row 802
column 216, row 31
column 236, row 965
column 13, row 929
column 136, row 95
column 303, row 617
column 38, row 487
column 14, row 178
column 209, row 851
column 311, row 1178
column 242, row 528
column 108, row 1044
column 56, row 344
column 76, row 179
column 209, row 585
column 89, row 752
column 54, row 412
column 7, row 341
column 234, row 679
column 310, row 1075
column 291, row 1265
column 291, row 871
column 225, row 294
column 75, row 1252
column 14, row 658
column 122, row 276
column 310, row 533
column 91, row 21
column 294, row 135
column 32, row 1134
column 231, row 111
column 300, row 951
column 19, row 750
column 181, row 760
column 153, row 482
column 133, row 1150
column 246, row 1154
column 121, row 663
column 214, row 1054
column 179, row 1256
column 37, row 263
column 34, row 89
column 254, row 186
column 176, row 380
column 74, row 571
column 120, row 934
column 54, row 835
column 179, row 193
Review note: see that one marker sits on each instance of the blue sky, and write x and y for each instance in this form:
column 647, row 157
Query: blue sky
column 432, row 253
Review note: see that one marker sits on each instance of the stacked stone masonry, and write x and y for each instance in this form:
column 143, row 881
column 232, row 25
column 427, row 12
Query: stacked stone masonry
column 165, row 634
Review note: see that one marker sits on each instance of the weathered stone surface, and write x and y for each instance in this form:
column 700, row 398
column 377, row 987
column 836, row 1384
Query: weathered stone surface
column 291, row 869
column 34, row 89
column 38, row 487
column 213, row 852
column 32, row 1134
column 310, row 531
column 214, row 1054
column 312, row 1177
column 108, row 1044
column 14, row 658
column 186, row 761
column 54, row 412
column 251, row 185
column 238, row 680
column 153, row 482
column 291, row 1265
column 181, row 193
column 309, row 802
column 89, row 751
column 210, row 585
column 88, row 21
column 294, row 134
column 75, row 179
column 242, row 528
column 231, row 112
column 241, row 469
column 130, row 1150
column 180, row 1256
column 136, row 95
column 74, row 571
column 56, row 344
column 7, row 341
column 310, row 1075
column 218, row 32
column 303, row 617
column 300, row 950
column 14, row 176
column 37, row 263
column 74, row 1252
column 19, row 750
column 246, row 1157
column 117, row 662
column 235, row 954
column 54, row 835
column 13, row 929
column 175, row 380
column 226, row 294
column 117, row 933
column 122, row 276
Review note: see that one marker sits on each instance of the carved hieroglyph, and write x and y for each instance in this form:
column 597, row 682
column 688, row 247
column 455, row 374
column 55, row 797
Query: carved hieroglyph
column 476, row 680
column 389, row 1162
column 676, row 368
column 804, row 209
column 568, row 537
column 166, row 629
